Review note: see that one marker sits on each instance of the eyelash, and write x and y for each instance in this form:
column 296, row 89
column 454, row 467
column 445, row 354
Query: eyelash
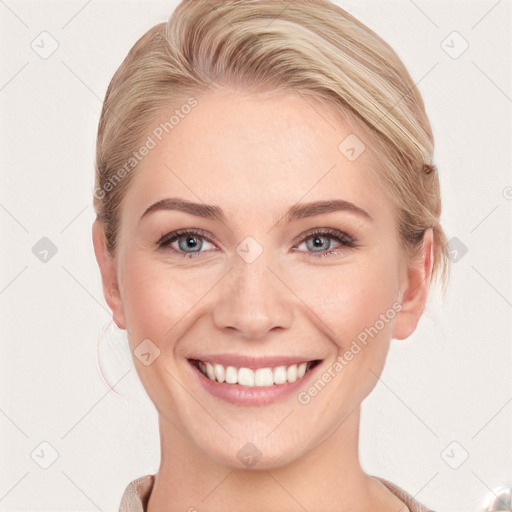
column 345, row 240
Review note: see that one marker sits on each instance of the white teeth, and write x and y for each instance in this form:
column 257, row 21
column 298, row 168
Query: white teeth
column 280, row 375
column 263, row 377
column 209, row 371
column 245, row 377
column 301, row 370
column 231, row 375
column 260, row 377
column 291, row 373
column 220, row 373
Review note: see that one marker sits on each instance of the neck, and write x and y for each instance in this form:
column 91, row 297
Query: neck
column 329, row 477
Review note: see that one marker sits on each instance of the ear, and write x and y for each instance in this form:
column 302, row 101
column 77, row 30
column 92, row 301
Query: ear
column 414, row 289
column 108, row 270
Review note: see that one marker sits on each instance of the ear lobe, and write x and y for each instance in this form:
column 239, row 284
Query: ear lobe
column 415, row 289
column 108, row 270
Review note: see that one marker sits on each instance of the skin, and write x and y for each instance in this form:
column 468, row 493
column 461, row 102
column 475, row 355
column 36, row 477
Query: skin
column 255, row 156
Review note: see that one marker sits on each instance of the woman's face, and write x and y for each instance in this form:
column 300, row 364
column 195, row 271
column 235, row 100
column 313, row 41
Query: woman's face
column 258, row 284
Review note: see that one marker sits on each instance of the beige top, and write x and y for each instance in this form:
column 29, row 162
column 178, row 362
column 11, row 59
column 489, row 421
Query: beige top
column 136, row 495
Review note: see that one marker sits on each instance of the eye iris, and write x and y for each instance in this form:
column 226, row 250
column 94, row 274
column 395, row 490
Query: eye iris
column 190, row 242
column 318, row 241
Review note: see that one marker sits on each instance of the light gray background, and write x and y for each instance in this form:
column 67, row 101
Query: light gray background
column 449, row 382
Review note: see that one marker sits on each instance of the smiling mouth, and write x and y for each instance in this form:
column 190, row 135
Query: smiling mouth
column 269, row 376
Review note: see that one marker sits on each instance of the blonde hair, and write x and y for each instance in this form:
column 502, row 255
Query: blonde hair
column 311, row 47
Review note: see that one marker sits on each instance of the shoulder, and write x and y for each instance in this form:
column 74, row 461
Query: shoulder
column 136, row 495
column 408, row 499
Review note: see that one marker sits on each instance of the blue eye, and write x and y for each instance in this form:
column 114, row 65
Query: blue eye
column 190, row 242
column 187, row 239
column 321, row 242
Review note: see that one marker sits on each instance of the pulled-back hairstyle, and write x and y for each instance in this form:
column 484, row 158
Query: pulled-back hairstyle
column 308, row 47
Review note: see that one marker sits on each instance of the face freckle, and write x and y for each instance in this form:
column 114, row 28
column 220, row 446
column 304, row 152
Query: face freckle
column 254, row 291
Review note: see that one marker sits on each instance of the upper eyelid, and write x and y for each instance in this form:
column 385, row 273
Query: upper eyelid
column 329, row 232
column 180, row 232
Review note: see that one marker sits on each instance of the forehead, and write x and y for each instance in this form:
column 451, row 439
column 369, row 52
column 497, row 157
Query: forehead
column 252, row 154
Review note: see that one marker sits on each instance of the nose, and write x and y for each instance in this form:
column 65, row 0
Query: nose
column 253, row 300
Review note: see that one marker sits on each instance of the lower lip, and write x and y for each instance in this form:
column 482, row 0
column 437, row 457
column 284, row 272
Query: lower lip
column 251, row 395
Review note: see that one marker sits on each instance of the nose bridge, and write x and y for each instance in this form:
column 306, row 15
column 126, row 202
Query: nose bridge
column 252, row 300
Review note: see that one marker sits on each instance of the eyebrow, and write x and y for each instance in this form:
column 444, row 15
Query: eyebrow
column 295, row 212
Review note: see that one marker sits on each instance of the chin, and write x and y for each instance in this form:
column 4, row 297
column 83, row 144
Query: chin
column 250, row 456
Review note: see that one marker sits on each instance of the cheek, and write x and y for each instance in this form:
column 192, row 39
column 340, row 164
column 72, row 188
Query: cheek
column 156, row 298
column 355, row 296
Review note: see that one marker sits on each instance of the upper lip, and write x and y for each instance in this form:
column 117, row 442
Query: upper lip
column 243, row 361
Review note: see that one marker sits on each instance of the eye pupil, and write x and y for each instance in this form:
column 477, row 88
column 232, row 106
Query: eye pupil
column 191, row 242
column 319, row 241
